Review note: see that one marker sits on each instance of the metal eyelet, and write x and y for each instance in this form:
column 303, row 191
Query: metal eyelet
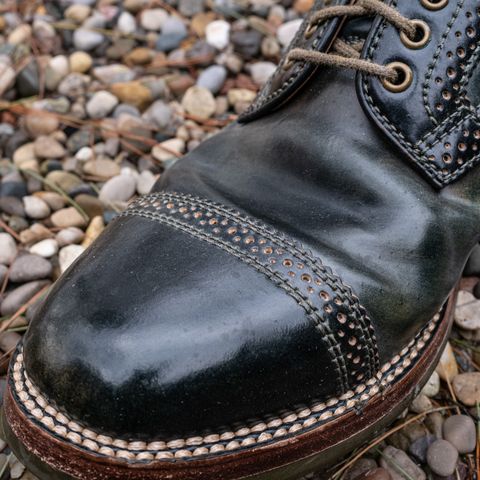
column 434, row 4
column 310, row 30
column 404, row 80
column 423, row 30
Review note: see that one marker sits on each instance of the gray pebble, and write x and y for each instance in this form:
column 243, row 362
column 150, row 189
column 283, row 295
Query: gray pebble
column 460, row 431
column 118, row 189
column 213, row 78
column 396, row 462
column 86, row 40
column 101, row 104
column 8, row 248
column 12, row 206
column 442, row 458
column 418, row 449
column 20, row 295
column 30, row 267
column 173, row 32
column 3, row 273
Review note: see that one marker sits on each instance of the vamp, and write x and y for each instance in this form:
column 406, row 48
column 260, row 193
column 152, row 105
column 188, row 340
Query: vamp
column 187, row 318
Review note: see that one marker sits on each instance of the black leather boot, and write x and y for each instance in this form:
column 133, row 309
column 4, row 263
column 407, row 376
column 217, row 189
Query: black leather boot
column 287, row 287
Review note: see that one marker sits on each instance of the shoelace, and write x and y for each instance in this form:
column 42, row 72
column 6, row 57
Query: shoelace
column 346, row 56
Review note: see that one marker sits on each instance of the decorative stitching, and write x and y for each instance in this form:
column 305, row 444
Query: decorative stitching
column 436, row 57
column 273, row 428
column 320, row 296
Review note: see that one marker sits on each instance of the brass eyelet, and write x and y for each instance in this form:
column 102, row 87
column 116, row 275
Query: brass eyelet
column 434, row 4
column 404, row 80
column 310, row 30
column 423, row 29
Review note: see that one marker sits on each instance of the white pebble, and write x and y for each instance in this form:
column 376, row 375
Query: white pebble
column 68, row 255
column 35, row 207
column 46, row 248
column 217, row 34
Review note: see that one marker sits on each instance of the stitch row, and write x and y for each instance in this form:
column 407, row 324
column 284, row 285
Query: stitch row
column 324, row 272
column 272, row 429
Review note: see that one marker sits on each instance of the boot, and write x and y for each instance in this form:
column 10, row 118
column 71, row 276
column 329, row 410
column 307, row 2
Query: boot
column 286, row 288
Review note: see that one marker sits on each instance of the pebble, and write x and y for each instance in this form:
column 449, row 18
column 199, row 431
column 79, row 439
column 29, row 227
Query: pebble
column 16, row 468
column 40, row 123
column 66, row 181
column 94, row 229
column 35, row 233
column 419, row 448
column 35, row 207
column 68, row 255
column 114, row 73
column 199, row 101
column 7, row 77
column 145, row 182
column 375, row 474
column 67, row 217
column 287, row 32
column 28, row 267
column 77, row 12
column 69, row 235
column 262, row 71
column 460, row 431
column 432, row 387
column 118, row 189
column 421, row 404
column 166, row 150
column 47, row 147
column 85, row 39
column 8, row 248
column 212, row 78
column 360, row 467
column 101, row 104
column 90, row 204
column 467, row 388
column 21, row 295
column 395, row 461
column 173, row 32
column 442, row 458
column 3, row 273
column 159, row 113
column 467, row 312
column 153, row 19
column 12, row 206
column 447, row 367
column 217, row 34
column 57, row 69
column 80, row 62
column 134, row 93
column 101, row 168
column 21, row 34
column 45, row 248
column 24, row 155
column 126, row 23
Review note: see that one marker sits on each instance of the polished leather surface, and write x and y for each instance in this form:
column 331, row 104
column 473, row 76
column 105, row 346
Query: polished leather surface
column 436, row 120
column 156, row 332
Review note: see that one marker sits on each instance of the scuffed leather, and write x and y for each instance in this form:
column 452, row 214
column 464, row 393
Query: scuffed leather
column 155, row 333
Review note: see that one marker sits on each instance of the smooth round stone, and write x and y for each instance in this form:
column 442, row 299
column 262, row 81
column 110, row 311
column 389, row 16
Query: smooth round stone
column 21, row 34
column 153, row 19
column 64, row 180
column 3, row 273
column 159, row 113
column 199, row 101
column 189, row 8
column 418, row 449
column 45, row 248
column 467, row 311
column 217, row 34
column 467, row 388
column 213, row 78
column 29, row 267
column 90, row 204
column 442, row 458
column 101, row 168
column 68, row 255
column 101, row 104
column 80, row 62
column 126, row 23
column 35, row 207
column 74, row 85
column 57, row 69
column 145, row 182
column 67, row 217
column 434, row 422
column 173, row 32
column 247, row 43
column 87, row 40
column 77, row 12
column 8, row 342
column 133, row 93
column 54, row 200
column 95, row 228
column 7, row 77
column 287, row 32
column 421, row 404
column 396, row 462
column 447, row 367
column 8, row 248
column 48, row 147
column 114, row 73
column 24, row 154
column 460, row 431
column 167, row 149
column 262, row 71
column 28, row 80
column 432, row 387
column 12, row 206
column 68, row 236
column 118, row 189
column 40, row 124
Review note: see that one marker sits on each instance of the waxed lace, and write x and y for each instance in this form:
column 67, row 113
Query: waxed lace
column 345, row 55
